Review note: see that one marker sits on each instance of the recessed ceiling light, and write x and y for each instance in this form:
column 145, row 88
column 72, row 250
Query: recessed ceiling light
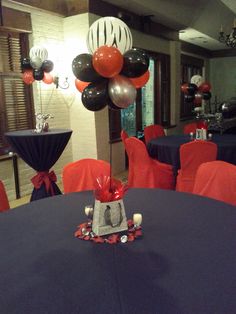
column 182, row 31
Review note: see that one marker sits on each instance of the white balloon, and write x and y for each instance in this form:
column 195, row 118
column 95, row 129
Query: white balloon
column 109, row 31
column 39, row 51
column 197, row 80
column 36, row 62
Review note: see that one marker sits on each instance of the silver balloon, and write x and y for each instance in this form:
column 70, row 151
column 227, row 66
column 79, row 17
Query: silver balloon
column 36, row 62
column 121, row 91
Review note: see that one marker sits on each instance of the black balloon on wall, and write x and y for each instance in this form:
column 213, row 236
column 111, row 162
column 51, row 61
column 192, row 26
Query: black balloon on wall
column 136, row 63
column 94, row 96
column 83, row 69
column 47, row 66
column 25, row 64
column 192, row 88
column 38, row 74
column 206, row 95
column 188, row 98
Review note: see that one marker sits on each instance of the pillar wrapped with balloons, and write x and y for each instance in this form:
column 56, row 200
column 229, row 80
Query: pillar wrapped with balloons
column 197, row 90
column 37, row 66
column 112, row 71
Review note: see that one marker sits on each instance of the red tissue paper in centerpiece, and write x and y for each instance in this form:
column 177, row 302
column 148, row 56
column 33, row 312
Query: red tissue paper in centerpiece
column 109, row 189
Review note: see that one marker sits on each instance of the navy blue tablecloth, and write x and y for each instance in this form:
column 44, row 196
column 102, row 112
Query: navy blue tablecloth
column 40, row 151
column 166, row 148
column 184, row 263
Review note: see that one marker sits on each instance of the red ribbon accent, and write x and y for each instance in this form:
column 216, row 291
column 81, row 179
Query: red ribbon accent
column 44, row 177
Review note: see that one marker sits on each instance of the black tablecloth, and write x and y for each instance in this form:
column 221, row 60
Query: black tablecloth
column 185, row 262
column 166, row 148
column 40, row 151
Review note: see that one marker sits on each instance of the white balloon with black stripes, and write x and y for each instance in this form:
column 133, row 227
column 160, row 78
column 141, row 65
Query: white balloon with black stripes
column 109, row 31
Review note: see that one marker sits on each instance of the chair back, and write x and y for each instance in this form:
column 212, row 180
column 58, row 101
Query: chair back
column 4, row 203
column 153, row 131
column 190, row 127
column 216, row 179
column 81, row 175
column 124, row 135
column 192, row 155
column 145, row 172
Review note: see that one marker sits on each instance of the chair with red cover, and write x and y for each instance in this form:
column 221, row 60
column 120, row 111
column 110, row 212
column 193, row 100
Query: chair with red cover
column 192, row 155
column 81, row 175
column 216, row 179
column 124, row 135
column 190, row 127
column 145, row 172
column 4, row 203
column 153, row 131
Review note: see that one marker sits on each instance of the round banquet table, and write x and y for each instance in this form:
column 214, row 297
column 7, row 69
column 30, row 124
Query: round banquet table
column 184, row 263
column 40, row 151
column 166, row 148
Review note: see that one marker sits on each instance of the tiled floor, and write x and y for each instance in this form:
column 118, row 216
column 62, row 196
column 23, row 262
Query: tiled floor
column 25, row 199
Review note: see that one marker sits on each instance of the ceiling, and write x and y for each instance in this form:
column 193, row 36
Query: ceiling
column 198, row 22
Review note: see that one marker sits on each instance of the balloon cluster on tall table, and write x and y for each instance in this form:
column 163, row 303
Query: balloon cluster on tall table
column 196, row 92
column 37, row 68
column 108, row 76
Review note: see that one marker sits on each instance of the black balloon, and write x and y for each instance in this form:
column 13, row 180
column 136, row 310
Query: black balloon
column 206, row 95
column 83, row 69
column 188, row 98
column 136, row 63
column 25, row 64
column 94, row 97
column 38, row 74
column 47, row 66
column 192, row 88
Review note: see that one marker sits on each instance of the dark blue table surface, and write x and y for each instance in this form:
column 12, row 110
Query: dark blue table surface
column 185, row 262
column 166, row 148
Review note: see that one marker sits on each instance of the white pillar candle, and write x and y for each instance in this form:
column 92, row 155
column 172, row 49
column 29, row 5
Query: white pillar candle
column 88, row 210
column 137, row 219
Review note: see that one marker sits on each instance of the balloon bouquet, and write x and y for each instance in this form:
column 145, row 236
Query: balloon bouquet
column 113, row 70
column 38, row 67
column 197, row 90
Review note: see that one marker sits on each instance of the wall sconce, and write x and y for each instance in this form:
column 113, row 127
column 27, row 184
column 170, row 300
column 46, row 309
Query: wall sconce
column 62, row 84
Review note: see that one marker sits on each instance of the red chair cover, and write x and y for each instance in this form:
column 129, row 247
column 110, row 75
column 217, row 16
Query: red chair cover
column 123, row 135
column 153, row 131
column 81, row 175
column 216, row 179
column 145, row 172
column 190, row 127
column 192, row 155
column 4, row 203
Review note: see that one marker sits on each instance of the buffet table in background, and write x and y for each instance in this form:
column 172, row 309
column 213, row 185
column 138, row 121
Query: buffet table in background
column 166, row 148
column 184, row 263
column 40, row 151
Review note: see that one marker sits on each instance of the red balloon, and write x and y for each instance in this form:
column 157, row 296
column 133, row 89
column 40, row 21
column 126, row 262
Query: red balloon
column 141, row 80
column 205, row 87
column 28, row 77
column 47, row 78
column 184, row 88
column 197, row 99
column 107, row 61
column 80, row 85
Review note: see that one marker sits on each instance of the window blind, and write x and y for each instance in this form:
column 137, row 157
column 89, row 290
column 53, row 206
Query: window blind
column 16, row 107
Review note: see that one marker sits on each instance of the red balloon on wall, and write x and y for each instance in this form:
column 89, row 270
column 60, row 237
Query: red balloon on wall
column 184, row 88
column 205, row 87
column 141, row 80
column 47, row 78
column 107, row 61
column 80, row 85
column 28, row 77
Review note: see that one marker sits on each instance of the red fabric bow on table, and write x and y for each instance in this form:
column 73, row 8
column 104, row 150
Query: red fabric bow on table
column 45, row 177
